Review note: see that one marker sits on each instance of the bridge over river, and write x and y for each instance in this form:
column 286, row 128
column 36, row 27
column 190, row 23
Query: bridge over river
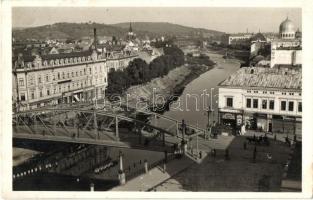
column 76, row 124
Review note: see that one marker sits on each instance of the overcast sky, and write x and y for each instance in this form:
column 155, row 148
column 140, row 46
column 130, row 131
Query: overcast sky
column 221, row 19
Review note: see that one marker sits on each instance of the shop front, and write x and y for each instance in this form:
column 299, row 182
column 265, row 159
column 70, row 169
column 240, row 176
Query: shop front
column 287, row 124
column 231, row 121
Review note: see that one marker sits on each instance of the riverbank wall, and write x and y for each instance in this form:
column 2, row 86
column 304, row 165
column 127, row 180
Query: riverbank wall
column 160, row 92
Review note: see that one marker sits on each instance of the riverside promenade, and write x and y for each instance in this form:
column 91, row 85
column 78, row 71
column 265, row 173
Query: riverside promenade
column 155, row 176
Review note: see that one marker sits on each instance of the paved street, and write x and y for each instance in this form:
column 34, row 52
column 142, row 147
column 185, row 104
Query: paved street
column 238, row 173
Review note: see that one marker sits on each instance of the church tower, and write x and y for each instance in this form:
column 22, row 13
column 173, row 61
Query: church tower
column 130, row 33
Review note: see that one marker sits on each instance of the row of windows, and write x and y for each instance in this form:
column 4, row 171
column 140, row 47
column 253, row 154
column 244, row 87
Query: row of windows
column 59, row 76
column 66, row 61
column 254, row 103
column 66, row 87
column 264, row 92
column 267, row 104
column 287, row 35
column 291, row 105
column 270, row 104
column 271, row 92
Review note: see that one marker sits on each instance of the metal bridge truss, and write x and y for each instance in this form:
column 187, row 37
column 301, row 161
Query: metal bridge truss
column 91, row 127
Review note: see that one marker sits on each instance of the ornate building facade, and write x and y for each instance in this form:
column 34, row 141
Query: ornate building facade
column 58, row 78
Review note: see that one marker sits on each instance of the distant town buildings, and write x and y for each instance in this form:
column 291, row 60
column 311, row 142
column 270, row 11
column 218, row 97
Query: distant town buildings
column 264, row 99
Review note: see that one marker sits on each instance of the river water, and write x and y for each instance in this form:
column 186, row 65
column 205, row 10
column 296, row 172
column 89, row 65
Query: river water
column 194, row 111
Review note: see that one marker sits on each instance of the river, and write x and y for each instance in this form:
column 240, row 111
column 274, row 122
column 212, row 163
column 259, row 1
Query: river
column 193, row 111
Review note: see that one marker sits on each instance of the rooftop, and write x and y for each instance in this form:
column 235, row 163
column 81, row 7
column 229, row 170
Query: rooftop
column 66, row 55
column 258, row 77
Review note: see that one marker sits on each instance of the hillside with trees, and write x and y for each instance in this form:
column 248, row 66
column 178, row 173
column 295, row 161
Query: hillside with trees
column 80, row 30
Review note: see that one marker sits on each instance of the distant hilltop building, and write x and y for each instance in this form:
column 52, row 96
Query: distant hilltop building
column 287, row 49
column 263, row 99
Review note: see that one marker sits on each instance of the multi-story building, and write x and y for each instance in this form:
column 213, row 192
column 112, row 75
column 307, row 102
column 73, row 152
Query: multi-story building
column 258, row 41
column 267, row 99
column 117, row 57
column 56, row 78
column 287, row 49
column 236, row 39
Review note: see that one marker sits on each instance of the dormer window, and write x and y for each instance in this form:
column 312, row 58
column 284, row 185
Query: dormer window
column 45, row 63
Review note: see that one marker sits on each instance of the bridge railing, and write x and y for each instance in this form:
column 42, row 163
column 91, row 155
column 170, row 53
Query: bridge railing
column 76, row 124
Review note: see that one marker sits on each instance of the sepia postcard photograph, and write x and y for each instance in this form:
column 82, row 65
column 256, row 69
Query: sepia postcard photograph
column 156, row 100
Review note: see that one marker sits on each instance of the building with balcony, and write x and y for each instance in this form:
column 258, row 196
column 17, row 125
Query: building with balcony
column 265, row 99
column 58, row 78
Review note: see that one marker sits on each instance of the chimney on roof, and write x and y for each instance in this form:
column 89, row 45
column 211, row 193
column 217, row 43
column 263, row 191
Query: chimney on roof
column 95, row 38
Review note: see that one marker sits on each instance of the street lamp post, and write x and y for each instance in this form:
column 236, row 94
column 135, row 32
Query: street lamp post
column 211, row 110
column 197, row 142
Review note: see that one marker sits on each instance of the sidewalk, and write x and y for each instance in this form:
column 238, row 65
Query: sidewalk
column 279, row 136
column 155, row 176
